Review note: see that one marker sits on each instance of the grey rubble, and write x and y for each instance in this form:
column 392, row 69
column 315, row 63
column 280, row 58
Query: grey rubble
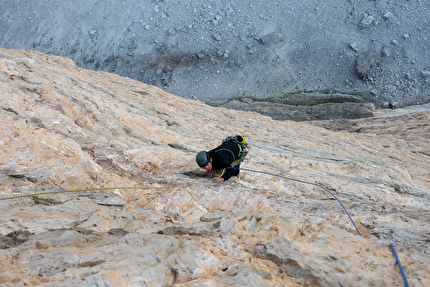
column 68, row 128
column 215, row 51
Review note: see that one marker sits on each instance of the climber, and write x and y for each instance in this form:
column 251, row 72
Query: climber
column 226, row 157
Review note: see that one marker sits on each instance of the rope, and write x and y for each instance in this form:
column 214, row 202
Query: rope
column 400, row 265
column 191, row 184
column 405, row 280
column 306, row 182
column 82, row 190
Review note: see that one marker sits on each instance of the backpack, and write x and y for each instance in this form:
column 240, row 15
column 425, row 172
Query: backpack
column 240, row 140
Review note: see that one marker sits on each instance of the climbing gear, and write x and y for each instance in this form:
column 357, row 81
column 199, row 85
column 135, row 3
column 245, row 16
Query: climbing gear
column 306, row 182
column 203, row 158
column 190, row 185
column 240, row 140
column 187, row 185
column 405, row 280
column 83, row 190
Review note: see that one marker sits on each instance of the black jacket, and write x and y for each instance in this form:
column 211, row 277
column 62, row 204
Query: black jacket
column 223, row 156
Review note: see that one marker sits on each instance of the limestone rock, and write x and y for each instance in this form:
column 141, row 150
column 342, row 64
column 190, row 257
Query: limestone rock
column 103, row 189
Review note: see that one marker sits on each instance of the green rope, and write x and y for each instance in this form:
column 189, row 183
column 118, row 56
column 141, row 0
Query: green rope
column 82, row 190
column 190, row 184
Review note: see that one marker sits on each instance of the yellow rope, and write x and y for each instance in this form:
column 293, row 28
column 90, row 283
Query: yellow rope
column 82, row 190
column 222, row 173
column 191, row 185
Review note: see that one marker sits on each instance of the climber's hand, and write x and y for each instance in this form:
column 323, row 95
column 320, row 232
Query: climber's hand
column 220, row 179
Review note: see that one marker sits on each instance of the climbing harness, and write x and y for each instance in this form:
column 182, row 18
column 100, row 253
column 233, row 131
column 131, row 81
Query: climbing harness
column 320, row 186
column 83, row 190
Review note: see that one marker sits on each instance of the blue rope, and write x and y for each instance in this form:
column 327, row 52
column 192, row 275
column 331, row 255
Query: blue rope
column 320, row 186
column 400, row 265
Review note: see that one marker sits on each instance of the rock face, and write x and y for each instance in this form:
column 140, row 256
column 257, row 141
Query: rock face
column 136, row 211
column 211, row 50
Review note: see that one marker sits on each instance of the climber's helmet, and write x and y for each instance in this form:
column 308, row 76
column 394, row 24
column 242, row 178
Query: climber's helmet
column 203, row 158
